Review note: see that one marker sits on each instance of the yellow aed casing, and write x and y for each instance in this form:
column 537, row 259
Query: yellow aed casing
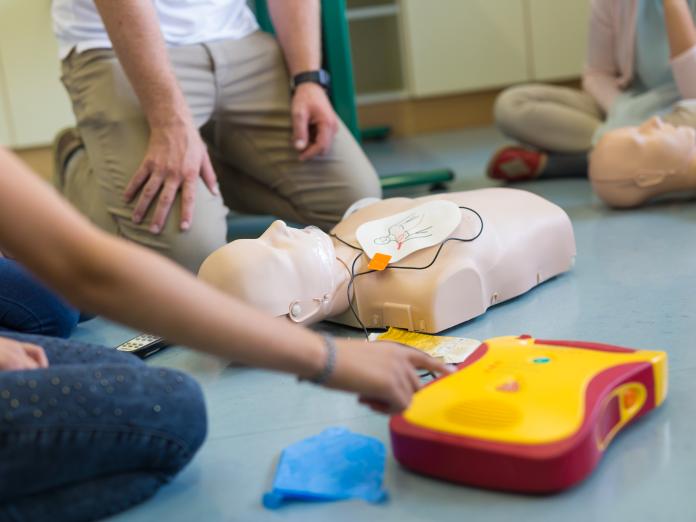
column 528, row 415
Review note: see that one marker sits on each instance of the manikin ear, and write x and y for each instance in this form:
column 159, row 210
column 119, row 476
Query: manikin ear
column 650, row 178
column 303, row 311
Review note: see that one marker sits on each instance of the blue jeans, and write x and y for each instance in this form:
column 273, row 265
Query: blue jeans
column 27, row 306
column 95, row 433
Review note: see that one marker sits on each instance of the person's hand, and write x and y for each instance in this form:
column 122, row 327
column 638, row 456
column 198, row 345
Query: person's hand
column 175, row 157
column 314, row 121
column 15, row 355
column 383, row 374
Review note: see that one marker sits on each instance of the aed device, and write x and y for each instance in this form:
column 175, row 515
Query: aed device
column 528, row 415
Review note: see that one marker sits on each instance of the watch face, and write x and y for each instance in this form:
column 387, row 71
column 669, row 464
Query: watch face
column 324, row 78
column 320, row 77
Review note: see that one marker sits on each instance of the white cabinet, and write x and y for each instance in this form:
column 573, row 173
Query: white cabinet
column 375, row 32
column 455, row 46
column 38, row 105
column 463, row 45
column 558, row 31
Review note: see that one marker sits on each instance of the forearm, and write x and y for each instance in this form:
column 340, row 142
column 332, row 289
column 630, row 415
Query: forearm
column 601, row 87
column 680, row 26
column 134, row 31
column 298, row 27
column 132, row 285
column 601, row 72
column 139, row 288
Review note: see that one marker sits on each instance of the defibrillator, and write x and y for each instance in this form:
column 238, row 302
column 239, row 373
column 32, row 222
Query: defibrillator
column 528, row 415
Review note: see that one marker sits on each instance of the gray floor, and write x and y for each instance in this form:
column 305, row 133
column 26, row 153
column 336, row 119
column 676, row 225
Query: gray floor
column 633, row 285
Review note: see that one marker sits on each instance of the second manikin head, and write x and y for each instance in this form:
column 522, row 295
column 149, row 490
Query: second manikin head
column 634, row 164
column 286, row 271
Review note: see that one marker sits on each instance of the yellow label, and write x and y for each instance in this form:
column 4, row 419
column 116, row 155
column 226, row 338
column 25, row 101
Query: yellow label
column 450, row 350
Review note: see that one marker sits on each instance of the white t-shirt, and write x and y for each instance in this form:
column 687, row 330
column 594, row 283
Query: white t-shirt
column 77, row 23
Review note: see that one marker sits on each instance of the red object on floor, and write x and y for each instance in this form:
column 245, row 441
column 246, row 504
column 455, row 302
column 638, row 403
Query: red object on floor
column 515, row 164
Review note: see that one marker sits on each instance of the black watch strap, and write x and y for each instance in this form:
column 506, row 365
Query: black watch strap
column 320, row 77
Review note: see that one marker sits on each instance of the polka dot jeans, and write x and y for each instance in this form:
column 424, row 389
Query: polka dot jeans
column 93, row 434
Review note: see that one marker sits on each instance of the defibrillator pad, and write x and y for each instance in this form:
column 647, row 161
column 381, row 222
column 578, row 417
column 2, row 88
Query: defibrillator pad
column 402, row 234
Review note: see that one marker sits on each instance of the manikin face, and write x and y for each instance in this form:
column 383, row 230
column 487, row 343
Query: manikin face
column 285, row 271
column 645, row 154
column 632, row 165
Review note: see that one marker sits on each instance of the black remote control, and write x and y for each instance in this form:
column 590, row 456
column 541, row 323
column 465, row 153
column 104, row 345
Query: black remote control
column 143, row 345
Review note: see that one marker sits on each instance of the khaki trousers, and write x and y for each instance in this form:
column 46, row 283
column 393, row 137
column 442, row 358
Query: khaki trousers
column 238, row 93
column 548, row 117
column 561, row 119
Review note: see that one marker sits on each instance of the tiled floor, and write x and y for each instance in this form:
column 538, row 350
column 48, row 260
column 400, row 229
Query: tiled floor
column 634, row 284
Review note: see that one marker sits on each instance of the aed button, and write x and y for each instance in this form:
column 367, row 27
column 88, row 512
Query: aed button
column 541, row 360
column 509, row 386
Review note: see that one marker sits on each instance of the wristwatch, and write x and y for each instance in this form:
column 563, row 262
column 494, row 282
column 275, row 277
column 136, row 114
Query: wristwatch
column 319, row 76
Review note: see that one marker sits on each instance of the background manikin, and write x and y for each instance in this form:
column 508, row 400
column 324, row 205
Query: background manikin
column 631, row 165
column 305, row 273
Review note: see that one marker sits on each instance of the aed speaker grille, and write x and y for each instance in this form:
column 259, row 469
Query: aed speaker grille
column 482, row 413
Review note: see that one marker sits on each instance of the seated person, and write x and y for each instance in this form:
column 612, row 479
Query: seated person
column 29, row 307
column 641, row 60
column 307, row 274
column 632, row 165
column 85, row 432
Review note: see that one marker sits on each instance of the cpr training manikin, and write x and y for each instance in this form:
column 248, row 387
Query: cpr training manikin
column 632, row 165
column 509, row 241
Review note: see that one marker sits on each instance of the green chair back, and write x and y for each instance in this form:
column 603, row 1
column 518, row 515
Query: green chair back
column 338, row 62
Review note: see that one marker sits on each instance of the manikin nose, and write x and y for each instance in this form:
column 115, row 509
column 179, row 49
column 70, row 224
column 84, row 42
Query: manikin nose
column 279, row 227
column 654, row 123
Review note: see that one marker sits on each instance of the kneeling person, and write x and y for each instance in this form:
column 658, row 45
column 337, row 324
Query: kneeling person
column 157, row 87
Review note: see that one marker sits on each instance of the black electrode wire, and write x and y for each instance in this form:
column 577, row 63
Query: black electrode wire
column 346, row 243
column 353, row 275
column 351, row 298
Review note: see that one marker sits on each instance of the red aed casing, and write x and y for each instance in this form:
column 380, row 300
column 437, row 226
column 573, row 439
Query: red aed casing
column 527, row 415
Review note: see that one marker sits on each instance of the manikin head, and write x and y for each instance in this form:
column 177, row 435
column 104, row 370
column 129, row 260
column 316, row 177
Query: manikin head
column 286, row 271
column 633, row 164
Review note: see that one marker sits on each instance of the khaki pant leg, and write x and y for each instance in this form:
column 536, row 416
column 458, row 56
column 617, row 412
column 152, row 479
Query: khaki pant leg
column 548, row 117
column 115, row 135
column 683, row 113
column 251, row 140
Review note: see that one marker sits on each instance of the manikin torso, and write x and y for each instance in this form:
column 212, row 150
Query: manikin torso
column 632, row 165
column 525, row 241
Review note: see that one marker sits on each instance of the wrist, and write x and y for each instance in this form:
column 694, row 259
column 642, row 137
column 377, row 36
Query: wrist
column 309, row 64
column 317, row 78
column 168, row 124
column 324, row 371
column 169, row 116
column 314, row 357
column 174, row 130
column 308, row 88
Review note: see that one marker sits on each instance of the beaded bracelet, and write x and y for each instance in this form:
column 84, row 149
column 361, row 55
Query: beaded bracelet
column 329, row 366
